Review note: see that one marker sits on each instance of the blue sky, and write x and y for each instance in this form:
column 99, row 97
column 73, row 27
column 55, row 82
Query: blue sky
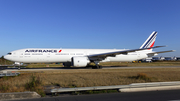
column 90, row 24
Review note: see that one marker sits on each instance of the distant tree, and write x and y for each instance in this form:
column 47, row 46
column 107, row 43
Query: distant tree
column 2, row 57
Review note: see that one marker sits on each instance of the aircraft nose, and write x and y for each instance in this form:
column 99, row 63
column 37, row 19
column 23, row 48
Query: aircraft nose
column 6, row 57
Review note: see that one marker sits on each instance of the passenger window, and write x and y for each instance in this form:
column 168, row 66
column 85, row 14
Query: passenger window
column 72, row 54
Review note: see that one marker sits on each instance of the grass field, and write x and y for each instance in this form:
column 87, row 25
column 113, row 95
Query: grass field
column 86, row 78
column 90, row 77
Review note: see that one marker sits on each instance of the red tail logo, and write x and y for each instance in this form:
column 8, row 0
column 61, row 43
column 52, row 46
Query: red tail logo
column 152, row 45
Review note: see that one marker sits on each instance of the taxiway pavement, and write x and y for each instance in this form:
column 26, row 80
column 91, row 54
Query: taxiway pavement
column 170, row 95
column 72, row 68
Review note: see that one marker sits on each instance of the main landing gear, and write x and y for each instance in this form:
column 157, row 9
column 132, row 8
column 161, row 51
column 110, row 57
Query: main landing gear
column 97, row 65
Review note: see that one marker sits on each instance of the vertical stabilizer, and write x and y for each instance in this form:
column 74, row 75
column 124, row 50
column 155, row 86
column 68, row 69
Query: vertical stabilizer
column 150, row 41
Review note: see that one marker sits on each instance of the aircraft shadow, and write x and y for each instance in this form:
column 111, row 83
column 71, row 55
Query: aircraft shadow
column 91, row 67
column 53, row 68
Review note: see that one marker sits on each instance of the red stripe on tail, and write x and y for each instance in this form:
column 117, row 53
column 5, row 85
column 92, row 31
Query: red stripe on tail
column 152, row 45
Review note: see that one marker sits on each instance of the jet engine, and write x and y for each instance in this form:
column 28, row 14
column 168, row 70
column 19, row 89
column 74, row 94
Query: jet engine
column 80, row 61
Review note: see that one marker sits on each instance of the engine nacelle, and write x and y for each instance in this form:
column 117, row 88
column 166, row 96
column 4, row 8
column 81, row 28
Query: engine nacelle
column 80, row 61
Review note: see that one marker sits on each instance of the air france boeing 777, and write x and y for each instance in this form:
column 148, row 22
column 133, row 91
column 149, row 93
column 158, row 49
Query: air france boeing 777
column 83, row 57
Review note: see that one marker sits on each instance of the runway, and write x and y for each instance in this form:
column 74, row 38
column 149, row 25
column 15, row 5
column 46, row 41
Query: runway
column 171, row 95
column 80, row 68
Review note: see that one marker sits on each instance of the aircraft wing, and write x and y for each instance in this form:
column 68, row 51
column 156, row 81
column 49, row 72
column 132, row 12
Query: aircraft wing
column 99, row 57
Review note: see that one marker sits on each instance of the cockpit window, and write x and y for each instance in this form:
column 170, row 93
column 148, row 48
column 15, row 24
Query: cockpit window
column 9, row 53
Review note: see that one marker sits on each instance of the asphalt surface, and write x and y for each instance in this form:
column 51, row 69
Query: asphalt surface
column 70, row 68
column 171, row 95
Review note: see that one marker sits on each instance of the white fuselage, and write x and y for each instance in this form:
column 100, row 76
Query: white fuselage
column 40, row 55
column 83, row 57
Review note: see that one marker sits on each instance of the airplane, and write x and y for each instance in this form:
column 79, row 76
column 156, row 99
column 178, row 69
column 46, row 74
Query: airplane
column 83, row 57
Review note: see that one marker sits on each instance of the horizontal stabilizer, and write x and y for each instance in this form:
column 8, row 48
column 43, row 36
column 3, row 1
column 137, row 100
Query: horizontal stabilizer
column 160, row 52
column 165, row 51
column 156, row 47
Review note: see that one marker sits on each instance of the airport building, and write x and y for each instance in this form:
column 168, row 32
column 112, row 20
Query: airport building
column 161, row 59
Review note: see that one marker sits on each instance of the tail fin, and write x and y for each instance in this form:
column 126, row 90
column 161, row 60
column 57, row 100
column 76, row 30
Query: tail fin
column 150, row 41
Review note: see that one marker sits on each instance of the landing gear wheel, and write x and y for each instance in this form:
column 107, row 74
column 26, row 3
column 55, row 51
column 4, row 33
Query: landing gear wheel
column 98, row 67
